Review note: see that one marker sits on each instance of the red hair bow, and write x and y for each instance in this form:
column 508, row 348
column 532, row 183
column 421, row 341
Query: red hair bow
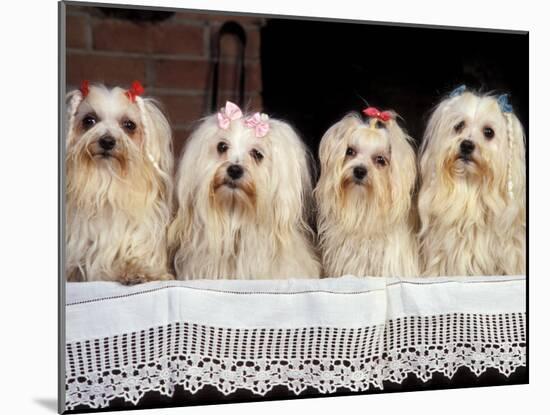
column 375, row 113
column 135, row 90
column 85, row 88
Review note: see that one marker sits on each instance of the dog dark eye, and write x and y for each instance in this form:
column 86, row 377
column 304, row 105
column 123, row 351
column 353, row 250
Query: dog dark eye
column 489, row 133
column 222, row 147
column 380, row 124
column 459, row 127
column 256, row 155
column 380, row 160
column 88, row 121
column 350, row 152
column 129, row 125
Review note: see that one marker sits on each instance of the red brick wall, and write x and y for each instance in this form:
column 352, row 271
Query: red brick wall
column 171, row 58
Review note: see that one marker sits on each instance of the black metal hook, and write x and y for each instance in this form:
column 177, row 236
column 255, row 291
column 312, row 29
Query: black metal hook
column 235, row 29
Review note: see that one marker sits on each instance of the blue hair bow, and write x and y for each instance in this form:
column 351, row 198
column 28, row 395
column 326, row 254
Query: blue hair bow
column 459, row 90
column 504, row 103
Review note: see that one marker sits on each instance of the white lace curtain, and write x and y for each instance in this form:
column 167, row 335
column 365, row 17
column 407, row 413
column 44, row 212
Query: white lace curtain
column 327, row 334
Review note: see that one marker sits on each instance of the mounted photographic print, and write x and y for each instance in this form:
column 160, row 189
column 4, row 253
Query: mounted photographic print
column 276, row 207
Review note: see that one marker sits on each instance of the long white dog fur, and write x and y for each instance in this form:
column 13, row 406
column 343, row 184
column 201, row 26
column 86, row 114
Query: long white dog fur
column 365, row 226
column 254, row 227
column 472, row 207
column 118, row 201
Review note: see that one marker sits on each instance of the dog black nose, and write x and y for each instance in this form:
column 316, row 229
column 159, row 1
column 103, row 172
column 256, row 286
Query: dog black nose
column 107, row 142
column 359, row 172
column 235, row 171
column 467, row 147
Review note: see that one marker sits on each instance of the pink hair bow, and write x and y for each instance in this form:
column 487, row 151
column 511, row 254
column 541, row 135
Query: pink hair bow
column 260, row 124
column 227, row 114
column 375, row 113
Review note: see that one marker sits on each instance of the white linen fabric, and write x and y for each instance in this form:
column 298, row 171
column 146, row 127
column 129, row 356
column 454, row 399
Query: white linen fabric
column 351, row 333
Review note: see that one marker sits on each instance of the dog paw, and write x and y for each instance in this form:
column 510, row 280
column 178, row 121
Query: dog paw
column 166, row 277
column 134, row 278
column 133, row 274
column 74, row 275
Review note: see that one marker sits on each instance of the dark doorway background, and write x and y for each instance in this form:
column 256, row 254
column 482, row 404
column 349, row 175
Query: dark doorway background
column 314, row 72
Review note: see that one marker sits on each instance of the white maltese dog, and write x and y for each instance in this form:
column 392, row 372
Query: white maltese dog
column 472, row 197
column 119, row 165
column 368, row 175
column 243, row 185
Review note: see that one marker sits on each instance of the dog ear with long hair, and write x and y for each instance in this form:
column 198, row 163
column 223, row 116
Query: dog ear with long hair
column 291, row 186
column 403, row 171
column 333, row 138
column 159, row 141
column 513, row 218
column 329, row 193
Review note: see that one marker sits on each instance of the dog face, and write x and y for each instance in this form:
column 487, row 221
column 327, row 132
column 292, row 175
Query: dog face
column 233, row 171
column 469, row 140
column 118, row 148
column 240, row 165
column 367, row 157
column 367, row 167
column 108, row 131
